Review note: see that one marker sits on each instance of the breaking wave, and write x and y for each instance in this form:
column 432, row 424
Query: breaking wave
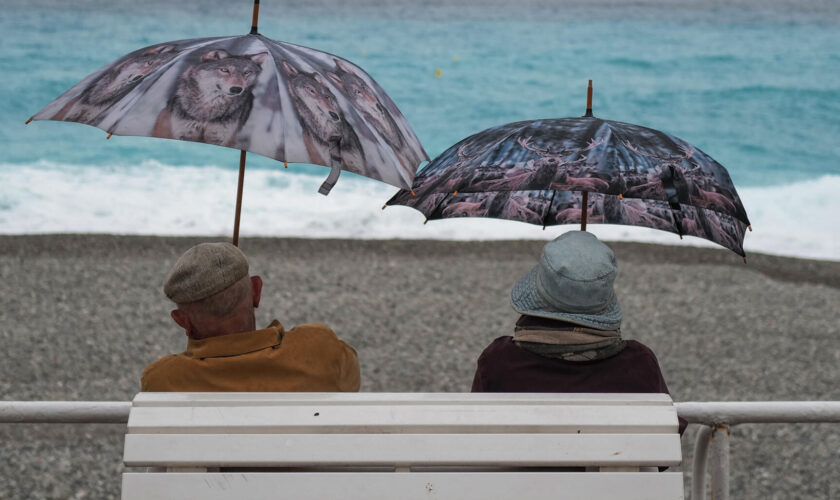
column 152, row 198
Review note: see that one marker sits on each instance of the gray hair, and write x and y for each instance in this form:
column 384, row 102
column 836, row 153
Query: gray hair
column 221, row 303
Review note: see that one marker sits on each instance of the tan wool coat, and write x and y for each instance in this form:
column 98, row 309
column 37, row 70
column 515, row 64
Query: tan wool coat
column 307, row 358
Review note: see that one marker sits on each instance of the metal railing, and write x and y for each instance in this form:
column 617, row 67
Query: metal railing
column 712, row 441
column 64, row 412
column 717, row 420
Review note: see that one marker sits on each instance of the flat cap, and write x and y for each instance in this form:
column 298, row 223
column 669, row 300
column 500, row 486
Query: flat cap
column 204, row 270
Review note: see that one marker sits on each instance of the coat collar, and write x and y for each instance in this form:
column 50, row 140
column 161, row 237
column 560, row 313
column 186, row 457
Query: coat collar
column 235, row 344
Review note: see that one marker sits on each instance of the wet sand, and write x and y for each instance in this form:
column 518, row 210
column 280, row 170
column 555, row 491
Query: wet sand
column 82, row 315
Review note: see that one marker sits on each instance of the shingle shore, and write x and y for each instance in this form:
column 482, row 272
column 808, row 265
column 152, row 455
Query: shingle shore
column 81, row 315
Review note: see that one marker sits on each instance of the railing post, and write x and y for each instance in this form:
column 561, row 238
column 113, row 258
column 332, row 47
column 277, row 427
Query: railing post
column 720, row 463
column 701, row 457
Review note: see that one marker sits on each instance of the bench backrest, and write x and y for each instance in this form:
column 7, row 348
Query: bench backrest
column 402, row 446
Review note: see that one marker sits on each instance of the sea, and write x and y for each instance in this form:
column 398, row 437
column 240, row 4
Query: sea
column 753, row 83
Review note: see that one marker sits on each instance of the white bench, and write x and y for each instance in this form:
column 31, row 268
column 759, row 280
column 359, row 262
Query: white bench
column 373, row 446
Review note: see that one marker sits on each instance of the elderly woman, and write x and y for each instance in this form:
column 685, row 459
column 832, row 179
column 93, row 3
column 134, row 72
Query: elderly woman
column 568, row 338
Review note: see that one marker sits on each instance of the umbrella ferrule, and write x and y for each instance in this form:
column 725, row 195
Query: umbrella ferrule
column 255, row 17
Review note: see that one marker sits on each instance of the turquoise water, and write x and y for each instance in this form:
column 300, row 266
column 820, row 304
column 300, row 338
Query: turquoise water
column 761, row 96
column 756, row 86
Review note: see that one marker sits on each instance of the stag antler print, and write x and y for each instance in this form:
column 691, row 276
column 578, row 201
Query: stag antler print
column 688, row 153
column 554, row 157
column 594, row 144
column 526, row 143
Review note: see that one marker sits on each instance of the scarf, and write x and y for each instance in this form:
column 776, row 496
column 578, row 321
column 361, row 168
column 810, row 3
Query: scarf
column 566, row 341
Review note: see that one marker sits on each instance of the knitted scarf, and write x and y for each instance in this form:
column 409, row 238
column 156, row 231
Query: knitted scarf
column 566, row 341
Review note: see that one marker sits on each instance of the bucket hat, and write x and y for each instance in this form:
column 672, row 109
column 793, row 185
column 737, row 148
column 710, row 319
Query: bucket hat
column 573, row 282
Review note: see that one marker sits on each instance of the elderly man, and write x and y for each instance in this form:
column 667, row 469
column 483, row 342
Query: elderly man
column 216, row 298
column 568, row 338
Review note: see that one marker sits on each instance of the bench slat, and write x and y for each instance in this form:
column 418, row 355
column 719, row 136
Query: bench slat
column 391, row 399
column 404, row 486
column 325, row 418
column 307, row 450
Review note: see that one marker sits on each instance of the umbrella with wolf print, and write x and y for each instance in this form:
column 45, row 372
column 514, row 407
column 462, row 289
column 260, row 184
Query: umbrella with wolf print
column 546, row 171
column 280, row 100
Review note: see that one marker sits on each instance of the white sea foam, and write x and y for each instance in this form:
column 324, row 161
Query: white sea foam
column 800, row 220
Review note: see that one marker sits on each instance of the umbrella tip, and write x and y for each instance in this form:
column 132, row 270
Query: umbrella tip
column 589, row 99
column 255, row 17
column 425, row 221
column 412, row 193
column 109, row 135
column 750, row 227
column 27, row 121
column 455, row 193
column 285, row 164
column 745, row 260
column 384, row 206
column 620, row 196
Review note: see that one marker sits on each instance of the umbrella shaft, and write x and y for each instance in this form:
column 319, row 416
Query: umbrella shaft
column 239, row 198
column 584, row 209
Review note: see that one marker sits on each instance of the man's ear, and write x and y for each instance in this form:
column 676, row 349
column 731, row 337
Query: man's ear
column 256, row 290
column 182, row 319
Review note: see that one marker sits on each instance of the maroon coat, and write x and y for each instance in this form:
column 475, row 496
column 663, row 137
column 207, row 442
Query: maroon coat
column 506, row 367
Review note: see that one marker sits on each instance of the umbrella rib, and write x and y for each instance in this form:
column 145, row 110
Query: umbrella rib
column 548, row 210
column 677, row 222
column 280, row 91
column 620, row 137
column 277, row 53
column 437, row 206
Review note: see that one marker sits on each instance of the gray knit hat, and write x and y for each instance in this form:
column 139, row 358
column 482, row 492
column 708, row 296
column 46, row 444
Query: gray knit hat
column 573, row 282
column 204, row 270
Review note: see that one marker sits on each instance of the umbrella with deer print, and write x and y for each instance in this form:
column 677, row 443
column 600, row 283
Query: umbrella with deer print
column 579, row 170
column 251, row 93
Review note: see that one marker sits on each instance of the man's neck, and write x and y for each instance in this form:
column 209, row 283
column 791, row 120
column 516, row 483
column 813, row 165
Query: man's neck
column 224, row 327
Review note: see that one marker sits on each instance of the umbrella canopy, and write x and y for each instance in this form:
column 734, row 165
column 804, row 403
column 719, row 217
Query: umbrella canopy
column 251, row 93
column 545, row 171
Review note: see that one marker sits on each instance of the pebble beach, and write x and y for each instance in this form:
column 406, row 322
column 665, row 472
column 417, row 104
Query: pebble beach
column 82, row 315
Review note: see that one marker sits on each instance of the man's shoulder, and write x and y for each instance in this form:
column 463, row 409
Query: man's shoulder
column 313, row 335
column 312, row 331
column 159, row 371
column 161, row 364
column 312, row 327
